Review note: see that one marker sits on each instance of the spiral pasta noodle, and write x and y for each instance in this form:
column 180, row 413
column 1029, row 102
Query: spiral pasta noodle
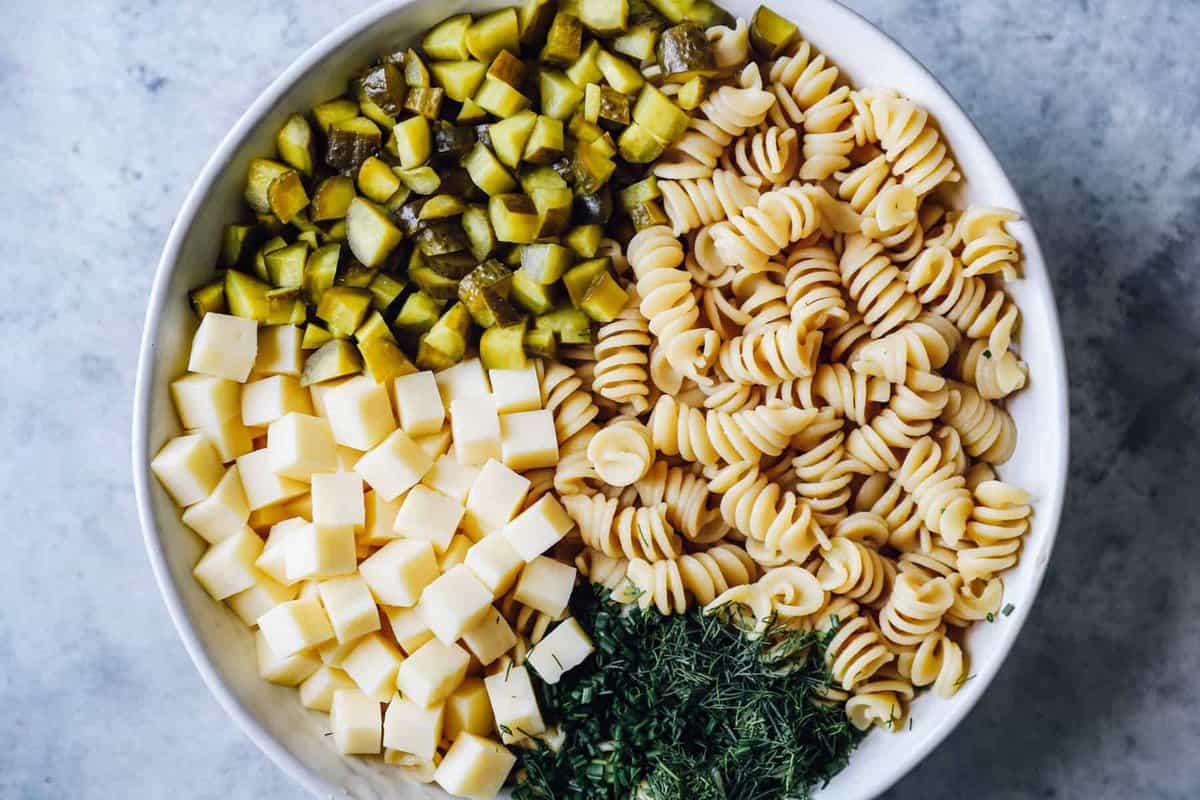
column 853, row 395
column 974, row 600
column 939, row 489
column 703, row 201
column 852, row 570
column 823, row 475
column 857, row 649
column 914, row 608
column 622, row 357
column 988, row 432
column 574, row 473
column 766, row 157
column 912, row 145
column 884, row 497
column 781, row 217
column 880, row 702
column 876, row 286
column 987, row 246
column 814, row 286
column 710, row 436
column 806, row 74
column 860, row 186
column 563, row 396
column 998, row 522
column 939, row 662
column 629, row 532
column 731, row 46
column 771, row 355
column 621, row 452
column 686, row 498
column 892, row 220
column 879, row 444
column 779, row 526
column 924, row 344
column 672, row 586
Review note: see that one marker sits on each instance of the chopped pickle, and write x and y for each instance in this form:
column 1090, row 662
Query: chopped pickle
column 564, row 40
column 261, row 173
column 451, row 141
column 684, row 53
column 492, row 33
column 581, row 129
column 414, row 142
column 553, row 210
column 370, row 232
column 703, row 12
column 381, row 91
column 373, row 327
column 415, row 72
column 560, row 97
column 332, row 198
column 384, row 290
column 584, row 69
column 570, row 325
column 441, row 206
column 376, row 180
column 590, row 168
column 354, row 274
column 503, row 347
column 638, row 146
column 421, row 180
column 605, row 17
column 540, row 344
column 246, row 296
column 480, row 237
column 661, row 118
column 296, row 145
column 605, row 105
column 486, row 170
column 542, row 178
column 639, row 43
column 620, row 74
column 237, row 244
column 351, row 142
column 441, row 236
column 485, row 294
column 604, row 299
column 429, row 357
column 594, row 207
column 287, row 196
column 426, row 102
column 508, row 68
column 647, row 214
column 447, row 41
column 578, row 279
column 534, row 18
column 334, row 359
column 584, row 240
column 546, row 142
column 285, row 266
column 471, row 112
column 452, row 265
column 498, row 98
column 320, row 271
column 435, row 285
column 281, row 306
column 449, row 334
column 310, row 238
column 635, row 193
column 418, row 314
column 508, row 136
column 771, row 34
column 326, row 114
column 343, row 308
column 530, row 295
column 260, row 258
column 692, row 93
column 460, row 79
column 336, row 232
column 545, row 262
column 383, row 359
column 314, row 336
column 514, row 218
column 209, row 297
column 269, row 223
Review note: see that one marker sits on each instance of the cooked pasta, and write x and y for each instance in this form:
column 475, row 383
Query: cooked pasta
column 988, row 432
column 730, row 46
column 766, row 157
column 876, row 286
column 880, row 702
column 563, row 395
column 709, row 436
column 914, row 608
column 857, row 650
column 853, row 570
column 779, row 526
column 781, row 217
column 939, row 661
column 622, row 358
column 912, row 145
column 939, row 489
column 703, row 201
column 987, row 246
column 621, row 452
column 814, row 287
column 628, row 532
column 924, row 345
column 686, row 498
column 673, row 586
column 771, row 355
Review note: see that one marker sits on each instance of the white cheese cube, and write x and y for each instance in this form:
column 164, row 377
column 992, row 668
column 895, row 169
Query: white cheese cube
column 418, row 403
column 408, row 627
column 468, row 709
column 360, row 413
column 516, row 389
column 428, row 676
column 267, row 399
column 379, row 527
column 319, row 391
column 434, row 444
column 455, row 553
column 528, row 440
column 285, row 671
column 262, row 519
column 538, row 528
column 189, row 468
column 495, row 563
column 451, row 478
column 399, row 571
column 224, row 346
column 350, row 606
column 545, row 585
column 347, row 458
column 357, row 722
column 273, row 561
column 337, row 499
column 227, row 567
column 514, row 704
column 429, row 515
column 320, row 551
column 476, row 429
column 299, row 507
column 310, row 590
column 300, row 445
column 294, row 626
column 262, row 486
column 265, row 594
column 474, row 767
column 491, row 638
column 563, row 649
column 279, row 350
column 231, row 438
column 316, row 692
column 494, row 499
column 373, row 664
column 223, row 513
column 454, row 602
column 465, row 379
column 412, row 728
column 203, row 400
column 394, row 466
column 333, row 653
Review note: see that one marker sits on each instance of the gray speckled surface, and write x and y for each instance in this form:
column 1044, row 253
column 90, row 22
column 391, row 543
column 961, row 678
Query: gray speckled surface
column 112, row 107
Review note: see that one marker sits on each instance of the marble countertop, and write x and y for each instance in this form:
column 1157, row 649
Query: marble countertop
column 115, row 104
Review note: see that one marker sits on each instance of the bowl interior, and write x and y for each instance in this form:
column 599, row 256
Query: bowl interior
column 223, row 648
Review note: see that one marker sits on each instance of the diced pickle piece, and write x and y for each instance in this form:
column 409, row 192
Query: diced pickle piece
column 320, row 271
column 343, row 308
column 451, row 141
column 352, row 272
column 605, row 105
column 620, row 74
column 384, row 290
column 655, row 112
column 415, row 72
column 541, row 344
column 579, row 278
column 530, row 295
column 545, row 263
column 584, row 239
column 514, row 218
column 296, row 145
column 639, row 146
column 508, row 68
column 492, row 33
column 425, row 101
column 471, row 112
column 560, row 97
column 535, row 17
column 553, row 210
column 414, row 142
column 449, row 334
column 418, row 313
column 383, row 86
column 334, row 359
column 605, row 17
column 503, row 347
column 542, row 178
column 448, row 39
column 261, row 173
column 564, row 40
column 460, row 79
column 420, row 180
column 433, row 284
column 332, row 198
column 370, row 232
column 648, row 213
column 326, row 114
column 442, row 206
column 237, row 243
column 479, row 232
column 546, row 143
column 485, row 293
column 376, row 180
column 383, row 359
column 685, row 53
column 594, row 207
column 692, row 93
column 246, row 296
column 636, row 193
column 638, row 43
column 509, row 136
column 604, row 299
column 452, row 265
column 498, row 98
column 314, row 336
column 584, row 70
column 285, row 266
column 209, row 297
column 770, row 34
column 570, row 325
column 351, row 142
column 487, row 172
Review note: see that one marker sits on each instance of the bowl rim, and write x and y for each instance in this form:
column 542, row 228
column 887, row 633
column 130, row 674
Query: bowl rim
column 1049, row 508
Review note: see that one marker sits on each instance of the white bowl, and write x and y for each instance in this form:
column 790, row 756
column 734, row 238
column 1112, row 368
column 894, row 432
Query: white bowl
column 221, row 646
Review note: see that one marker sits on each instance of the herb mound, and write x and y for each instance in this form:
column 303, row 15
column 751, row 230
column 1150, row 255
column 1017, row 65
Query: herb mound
column 687, row 707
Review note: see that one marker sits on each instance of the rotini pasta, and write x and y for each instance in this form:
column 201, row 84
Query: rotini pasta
column 771, row 355
column 621, row 452
column 912, row 145
column 876, row 286
column 939, row 489
column 779, row 526
column 622, row 358
column 631, row 532
column 939, row 661
column 703, row 201
column 781, row 217
column 924, row 345
column 914, row 608
column 710, row 436
column 987, row 430
column 672, row 586
column 730, row 46
column 814, row 286
column 853, row 570
column 857, row 650
column 766, row 157
column 686, row 498
column 987, row 246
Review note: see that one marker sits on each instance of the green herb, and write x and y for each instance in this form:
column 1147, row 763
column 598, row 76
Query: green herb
column 987, row 353
column 556, row 661
column 687, row 707
column 991, row 617
column 963, row 680
column 507, row 670
column 1008, row 609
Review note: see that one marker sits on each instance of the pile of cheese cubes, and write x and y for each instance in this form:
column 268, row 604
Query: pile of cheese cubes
column 394, row 517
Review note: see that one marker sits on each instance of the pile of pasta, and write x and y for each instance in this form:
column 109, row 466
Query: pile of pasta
column 801, row 407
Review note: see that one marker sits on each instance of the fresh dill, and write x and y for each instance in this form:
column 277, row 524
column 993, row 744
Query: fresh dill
column 991, row 617
column 1008, row 609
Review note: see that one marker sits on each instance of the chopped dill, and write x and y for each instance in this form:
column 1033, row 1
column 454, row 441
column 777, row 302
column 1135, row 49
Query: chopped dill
column 686, row 707
column 1008, row 609
column 991, row 617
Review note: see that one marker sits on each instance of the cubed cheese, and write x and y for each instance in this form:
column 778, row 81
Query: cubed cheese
column 476, row 428
column 310, row 590
column 294, row 626
column 399, row 571
column 300, row 507
column 468, row 709
column 455, row 553
column 320, row 551
column 514, row 704
column 262, row 486
column 538, row 528
column 451, row 478
column 189, row 468
column 319, row 391
column 465, row 379
column 429, row 515
column 454, row 603
column 279, row 350
column 493, row 500
column 373, row 664
column 337, row 499
column 227, row 567
column 428, row 676
column 434, row 444
column 231, row 438
column 408, row 627
column 360, row 413
column 267, row 399
column 224, row 346
column 495, row 563
column 474, row 767
column 316, row 692
column 412, row 728
column 223, row 513
column 528, row 440
column 347, row 458
column 379, row 528
column 394, row 466
column 516, row 389
column 265, row 594
column 357, row 722
column 273, row 560
column 286, row 671
column 261, row 519
column 203, row 400
column 545, row 585
column 491, row 638
column 350, row 606
column 418, row 403
column 333, row 653
column 563, row 649
column 300, row 445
